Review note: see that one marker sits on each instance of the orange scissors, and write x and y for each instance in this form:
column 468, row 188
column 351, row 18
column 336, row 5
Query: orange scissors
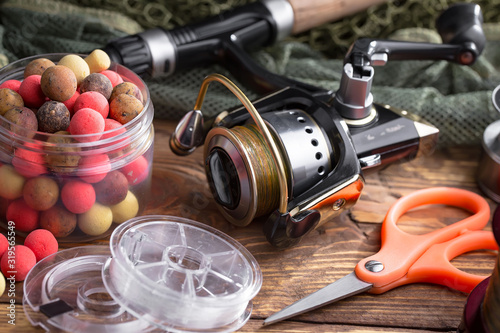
column 405, row 258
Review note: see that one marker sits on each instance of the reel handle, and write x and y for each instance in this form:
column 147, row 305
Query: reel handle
column 460, row 27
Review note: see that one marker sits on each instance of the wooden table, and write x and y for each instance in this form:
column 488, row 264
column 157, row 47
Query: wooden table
column 329, row 252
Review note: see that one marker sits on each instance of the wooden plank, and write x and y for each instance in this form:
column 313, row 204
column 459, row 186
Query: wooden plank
column 253, row 325
column 20, row 323
column 334, row 250
column 331, row 251
column 298, row 327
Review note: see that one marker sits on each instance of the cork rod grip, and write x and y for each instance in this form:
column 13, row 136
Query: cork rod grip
column 312, row 13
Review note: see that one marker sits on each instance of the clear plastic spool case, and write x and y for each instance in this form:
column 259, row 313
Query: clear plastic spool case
column 127, row 149
column 159, row 273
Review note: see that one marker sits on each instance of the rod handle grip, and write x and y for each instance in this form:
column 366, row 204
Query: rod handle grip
column 312, row 13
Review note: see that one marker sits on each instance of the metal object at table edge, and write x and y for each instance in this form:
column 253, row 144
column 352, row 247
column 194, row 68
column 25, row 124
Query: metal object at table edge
column 488, row 174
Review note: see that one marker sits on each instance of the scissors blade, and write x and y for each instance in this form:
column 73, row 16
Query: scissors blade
column 345, row 287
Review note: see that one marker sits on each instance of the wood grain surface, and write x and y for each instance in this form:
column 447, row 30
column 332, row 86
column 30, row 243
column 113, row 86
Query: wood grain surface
column 328, row 253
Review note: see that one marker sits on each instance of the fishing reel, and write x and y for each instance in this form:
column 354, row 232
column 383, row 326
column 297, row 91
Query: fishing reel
column 296, row 156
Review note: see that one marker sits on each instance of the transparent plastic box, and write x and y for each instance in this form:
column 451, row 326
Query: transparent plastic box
column 127, row 150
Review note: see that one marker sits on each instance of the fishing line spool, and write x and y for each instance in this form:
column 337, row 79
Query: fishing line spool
column 159, row 272
column 241, row 158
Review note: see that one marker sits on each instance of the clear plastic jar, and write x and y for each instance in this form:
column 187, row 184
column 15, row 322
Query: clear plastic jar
column 78, row 168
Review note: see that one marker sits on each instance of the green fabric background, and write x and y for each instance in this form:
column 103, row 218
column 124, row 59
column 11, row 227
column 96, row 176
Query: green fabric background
column 454, row 98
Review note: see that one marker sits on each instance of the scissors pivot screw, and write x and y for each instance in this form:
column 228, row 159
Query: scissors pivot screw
column 374, row 266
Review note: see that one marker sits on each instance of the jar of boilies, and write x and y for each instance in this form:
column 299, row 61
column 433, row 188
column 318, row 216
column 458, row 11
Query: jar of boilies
column 75, row 179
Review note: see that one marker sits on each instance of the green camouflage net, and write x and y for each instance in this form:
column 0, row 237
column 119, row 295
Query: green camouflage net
column 456, row 99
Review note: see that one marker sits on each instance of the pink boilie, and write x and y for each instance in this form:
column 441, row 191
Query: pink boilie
column 85, row 122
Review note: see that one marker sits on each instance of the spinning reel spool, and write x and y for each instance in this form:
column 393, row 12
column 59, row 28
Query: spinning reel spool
column 262, row 172
column 303, row 149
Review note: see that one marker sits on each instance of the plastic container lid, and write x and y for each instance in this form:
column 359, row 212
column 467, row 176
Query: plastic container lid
column 159, row 272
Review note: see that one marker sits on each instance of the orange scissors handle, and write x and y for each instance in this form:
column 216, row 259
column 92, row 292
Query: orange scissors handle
column 434, row 266
column 391, row 266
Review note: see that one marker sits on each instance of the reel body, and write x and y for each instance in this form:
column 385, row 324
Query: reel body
column 297, row 155
column 324, row 158
column 317, row 158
